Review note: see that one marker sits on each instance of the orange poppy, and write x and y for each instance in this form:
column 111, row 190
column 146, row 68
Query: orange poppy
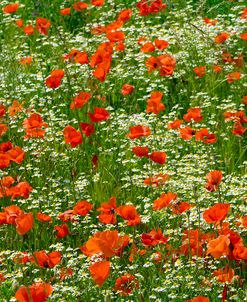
column 206, row 137
column 19, row 22
column 221, row 38
column 156, row 180
column 65, row 11
column 97, row 2
column 61, row 230
column 217, row 68
column 138, row 131
column 180, row 207
column 126, row 284
column 152, row 64
column 224, row 275
column 148, row 47
column 4, row 160
column 193, row 115
column 213, row 180
column 22, row 189
column 24, row 223
column 2, row 110
column 47, row 260
column 82, row 208
column 99, row 115
column 153, row 238
column 16, row 155
column 34, row 126
column 233, row 76
column 109, row 243
column 80, row 100
column 3, row 129
column 244, row 14
column 79, row 6
column 164, row 200
column 240, row 251
column 108, row 211
column 124, row 15
column 140, row 151
column 116, row 36
column 200, row 71
column 176, row 124
column 15, row 108
column 167, row 64
column 43, row 25
column 72, row 136
column 28, row 30
column 210, row 21
column 199, row 299
column 43, row 217
column 216, row 213
column 158, row 157
column 219, row 247
column 154, row 104
column 37, row 292
column 127, row 89
column 26, row 60
column 87, row 129
column 187, row 133
column 161, row 44
column 129, row 213
column 10, row 8
column 100, row 271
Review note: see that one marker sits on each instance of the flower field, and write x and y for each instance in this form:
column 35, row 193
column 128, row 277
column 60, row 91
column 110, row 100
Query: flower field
column 123, row 151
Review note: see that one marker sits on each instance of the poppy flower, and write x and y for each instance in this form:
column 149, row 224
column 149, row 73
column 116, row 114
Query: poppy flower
column 217, row 68
column 87, row 129
column 61, row 230
column 43, row 25
column 213, row 180
column 108, row 243
column 193, row 115
column 126, row 284
column 67, row 216
column 129, row 213
column 233, row 76
column 210, row 21
column 15, row 108
column 161, row 44
column 116, row 36
column 180, row 207
column 167, row 64
column 244, row 14
column 43, row 217
column 34, row 126
column 221, row 38
column 54, row 80
column 47, row 260
column 65, row 273
column 22, row 189
column 10, row 8
column 82, row 208
column 24, row 223
column 37, row 292
column 200, row 71
column 19, row 22
column 154, row 104
column 80, row 100
column 124, row 15
column 239, row 251
column 28, row 30
column 26, row 60
column 199, row 299
column 164, row 200
column 3, row 129
column 148, row 47
column 127, row 89
column 2, row 110
column 153, row 238
column 100, row 271
column 138, row 131
column 108, row 211
column 238, row 128
column 218, row 247
column 176, row 124
column 152, row 64
column 16, row 155
column 216, row 213
column 206, row 137
column 140, row 151
column 156, row 180
column 158, row 157
column 65, row 11
column 99, row 115
column 4, row 160
column 71, row 136
column 79, row 6
column 224, row 275
column 187, row 133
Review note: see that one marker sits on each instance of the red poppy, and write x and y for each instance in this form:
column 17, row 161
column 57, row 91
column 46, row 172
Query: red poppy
column 127, row 89
column 161, row 44
column 224, row 275
column 108, row 211
column 180, row 207
column 82, row 208
column 199, row 299
column 158, row 157
column 47, row 260
column 239, row 251
column 129, row 213
column 219, row 247
column 213, row 180
column 116, row 36
column 210, row 21
column 193, row 115
column 200, row 71
column 152, row 64
column 206, row 137
column 28, row 30
column 233, row 76
column 43, row 25
column 79, row 6
column 54, row 80
column 10, row 8
column 187, row 133
column 16, row 155
column 167, row 64
column 176, row 124
column 2, row 110
column 72, row 136
column 26, row 60
column 138, row 131
column 140, row 151
column 126, row 284
column 156, row 180
column 221, row 38
column 153, row 238
column 34, row 126
column 216, row 213
column 87, row 129
column 80, row 100
column 148, row 47
column 164, row 200
column 24, row 223
column 62, row 230
column 217, row 68
column 99, row 115
column 154, row 104
column 43, row 217
column 19, row 22
column 100, row 271
column 124, row 15
column 65, row 11
column 109, row 243
column 37, row 292
column 97, row 2
column 3, row 129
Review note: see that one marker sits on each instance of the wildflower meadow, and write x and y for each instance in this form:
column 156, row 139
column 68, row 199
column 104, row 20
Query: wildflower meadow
column 123, row 150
